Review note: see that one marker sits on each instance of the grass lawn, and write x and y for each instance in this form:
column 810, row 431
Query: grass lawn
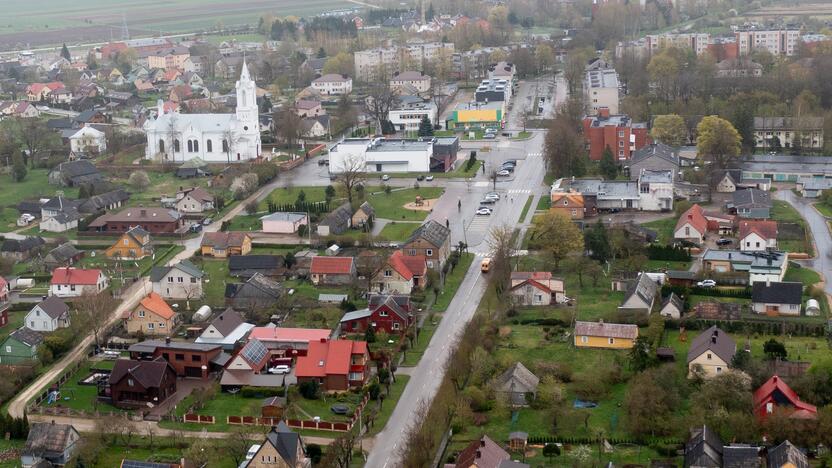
column 15, row 321
column 798, row 347
column 783, row 212
column 322, row 316
column 11, row 445
column 83, row 397
column 34, row 185
column 221, row 406
column 301, row 408
column 394, row 231
column 163, row 451
column 807, row 276
column 390, row 402
column 522, row 136
column 657, row 265
column 526, row 208
column 694, row 299
column 285, row 195
column 308, row 290
column 824, row 209
column 425, row 334
column 452, row 282
column 544, row 203
column 246, row 222
column 391, row 206
column 217, row 276
column 664, row 228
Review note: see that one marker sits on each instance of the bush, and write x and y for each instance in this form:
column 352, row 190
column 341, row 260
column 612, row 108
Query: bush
column 477, row 399
column 262, row 392
column 668, row 253
column 309, row 390
column 314, row 452
column 374, row 390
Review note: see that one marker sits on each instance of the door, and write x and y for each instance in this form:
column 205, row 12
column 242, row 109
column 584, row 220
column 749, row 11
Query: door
column 378, row 167
column 193, row 372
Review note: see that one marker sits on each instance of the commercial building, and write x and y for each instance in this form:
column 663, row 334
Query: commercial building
column 380, row 155
column 786, row 168
column 408, row 115
column 601, row 90
column 410, row 79
column 616, row 131
column 333, row 84
column 493, row 90
column 476, row 114
column 788, row 132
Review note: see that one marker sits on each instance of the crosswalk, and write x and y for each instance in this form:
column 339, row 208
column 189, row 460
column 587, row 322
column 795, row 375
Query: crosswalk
column 533, row 155
column 479, row 224
column 519, row 191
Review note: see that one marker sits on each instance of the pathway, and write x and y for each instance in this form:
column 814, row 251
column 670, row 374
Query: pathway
column 822, row 262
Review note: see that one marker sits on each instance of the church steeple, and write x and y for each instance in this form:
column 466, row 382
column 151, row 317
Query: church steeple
column 246, row 96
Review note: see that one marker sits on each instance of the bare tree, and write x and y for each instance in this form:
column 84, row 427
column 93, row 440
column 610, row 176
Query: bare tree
column 339, row 452
column 229, row 141
column 380, row 100
column 353, row 174
column 501, row 242
column 288, row 126
column 492, row 176
column 93, row 310
column 238, row 441
column 33, row 135
column 191, row 291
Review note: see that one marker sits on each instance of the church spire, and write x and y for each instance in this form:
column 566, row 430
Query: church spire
column 244, row 74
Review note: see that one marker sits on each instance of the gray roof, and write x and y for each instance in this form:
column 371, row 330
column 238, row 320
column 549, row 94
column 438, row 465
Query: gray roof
column 809, row 165
column 63, row 252
column 332, row 297
column 656, row 177
column 786, row 292
column 158, row 273
column 645, row 289
column 60, row 203
column 26, row 336
column 247, row 265
column 751, row 198
column 54, row 307
column 603, row 189
column 228, row 321
column 787, row 453
column 517, row 379
column 741, row 456
column 285, row 442
column 431, row 231
column 703, row 449
column 48, row 440
column 340, row 216
column 747, row 260
column 715, row 341
column 367, row 209
column 99, row 202
column 75, row 169
column 676, row 301
column 787, row 123
column 149, row 346
column 657, row 150
column 355, row 315
column 284, row 216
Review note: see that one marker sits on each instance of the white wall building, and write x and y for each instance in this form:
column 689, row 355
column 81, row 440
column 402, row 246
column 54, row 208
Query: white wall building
column 417, row 80
column 776, row 41
column 380, row 155
column 407, row 117
column 333, row 84
column 213, row 137
column 372, row 64
column 88, row 139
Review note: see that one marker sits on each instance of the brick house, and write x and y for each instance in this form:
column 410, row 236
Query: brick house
column 134, row 384
column 152, row 316
column 332, row 270
column 619, row 132
column 570, row 204
column 188, row 359
column 433, row 240
column 388, row 313
column 337, row 365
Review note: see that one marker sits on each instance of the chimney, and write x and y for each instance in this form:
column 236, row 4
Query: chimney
column 604, row 112
column 713, row 339
column 482, row 442
column 323, row 340
column 143, row 213
column 167, row 340
column 53, row 422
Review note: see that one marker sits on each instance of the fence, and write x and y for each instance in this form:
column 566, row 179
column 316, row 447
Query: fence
column 198, row 418
column 61, row 380
column 302, row 423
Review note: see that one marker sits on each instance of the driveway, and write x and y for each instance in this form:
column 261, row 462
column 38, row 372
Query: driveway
column 822, row 262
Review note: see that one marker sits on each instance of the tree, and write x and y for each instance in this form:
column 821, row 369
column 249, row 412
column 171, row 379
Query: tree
column 65, row 52
column 370, row 335
column 670, row 129
column 558, row 236
column 18, row 168
column 718, row 142
column 321, row 53
column 640, row 356
column 309, row 389
column 93, row 311
column 200, row 452
column 597, row 242
column 289, row 128
column 608, row 167
column 35, row 138
column 775, row 349
column 425, row 127
column 237, row 442
column 380, row 99
column 652, row 402
column 501, row 242
column 352, row 175
column 341, row 64
column 564, row 148
column 139, row 180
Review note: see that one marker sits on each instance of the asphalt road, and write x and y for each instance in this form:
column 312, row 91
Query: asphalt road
column 427, row 375
column 822, row 262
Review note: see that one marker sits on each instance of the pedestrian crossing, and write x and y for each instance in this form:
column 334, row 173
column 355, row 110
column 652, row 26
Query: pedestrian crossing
column 519, row 191
column 537, row 155
column 479, row 224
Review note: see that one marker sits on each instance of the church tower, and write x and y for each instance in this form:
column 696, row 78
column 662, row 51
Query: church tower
column 246, row 98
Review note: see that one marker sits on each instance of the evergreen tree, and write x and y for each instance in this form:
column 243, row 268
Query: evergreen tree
column 65, row 52
column 597, row 241
column 430, row 13
column 425, row 127
column 321, row 53
column 608, row 167
column 18, row 168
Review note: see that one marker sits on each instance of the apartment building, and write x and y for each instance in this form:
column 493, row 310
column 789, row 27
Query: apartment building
column 781, row 41
column 616, row 131
column 371, row 64
column 601, row 90
column 697, row 42
column 408, row 115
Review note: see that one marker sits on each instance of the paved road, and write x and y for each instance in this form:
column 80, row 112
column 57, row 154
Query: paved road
column 820, row 233
column 427, row 375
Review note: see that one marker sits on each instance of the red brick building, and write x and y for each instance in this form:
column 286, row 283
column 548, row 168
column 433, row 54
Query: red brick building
column 133, row 384
column 337, row 365
column 196, row 360
column 390, row 313
column 619, row 132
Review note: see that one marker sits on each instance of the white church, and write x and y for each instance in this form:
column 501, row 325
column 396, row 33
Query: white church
column 218, row 138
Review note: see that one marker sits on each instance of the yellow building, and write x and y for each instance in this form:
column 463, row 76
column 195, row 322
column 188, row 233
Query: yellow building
column 152, row 317
column 132, row 245
column 605, row 335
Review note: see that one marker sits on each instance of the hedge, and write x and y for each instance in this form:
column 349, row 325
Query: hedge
column 262, row 392
column 591, row 440
column 744, row 293
column 761, row 326
column 669, row 253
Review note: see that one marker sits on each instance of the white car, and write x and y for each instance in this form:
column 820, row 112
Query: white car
column 484, row 211
column 504, row 173
column 281, row 369
column 252, row 451
column 492, row 195
column 385, row 177
column 429, row 178
column 706, row 283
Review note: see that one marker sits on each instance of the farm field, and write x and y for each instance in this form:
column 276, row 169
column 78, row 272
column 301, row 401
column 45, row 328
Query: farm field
column 48, row 22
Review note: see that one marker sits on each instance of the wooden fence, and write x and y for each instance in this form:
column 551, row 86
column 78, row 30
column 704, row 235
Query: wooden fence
column 341, row 426
column 199, row 418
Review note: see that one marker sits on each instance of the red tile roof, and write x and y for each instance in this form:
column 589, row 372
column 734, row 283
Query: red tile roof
column 534, row 275
column 408, row 266
column 328, row 358
column 296, row 335
column 331, row 265
column 154, row 303
column 764, row 228
column 774, row 391
column 75, row 276
column 696, row 217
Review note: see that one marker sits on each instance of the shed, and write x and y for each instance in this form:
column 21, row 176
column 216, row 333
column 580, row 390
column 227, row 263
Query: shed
column 812, row 307
column 517, row 441
column 333, row 250
column 273, row 407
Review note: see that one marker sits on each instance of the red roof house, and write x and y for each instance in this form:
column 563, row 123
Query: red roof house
column 336, row 365
column 776, row 396
column 289, row 341
column 74, row 282
column 390, row 313
column 401, row 274
column 332, row 270
column 757, row 235
column 692, row 225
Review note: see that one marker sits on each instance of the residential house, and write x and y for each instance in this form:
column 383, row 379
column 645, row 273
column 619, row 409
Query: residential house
column 284, row 222
column 39, row 92
column 259, row 291
column 141, row 384
column 336, row 222
column 104, row 202
column 570, row 204
column 605, row 335
column 775, row 298
column 48, row 315
column 21, row 109
column 75, row 282
column 775, row 396
column 337, row 365
column 483, row 453
column 152, row 316
column 75, row 173
column 152, row 220
column 641, row 296
column 20, row 347
column 227, row 329
column 600, row 194
column 691, row 226
column 433, row 240
column 710, row 353
column 245, row 266
column 180, row 281
column 332, row 271
column 288, row 342
column 88, row 140
column 531, row 288
column 401, row 274
column 385, row 312
column 315, row 127
column 738, row 68
column 757, row 235
column 704, row 449
column 49, row 444
column 655, row 190
column 304, row 108
column 788, row 132
column 410, row 79
column 332, row 84
column 4, row 302
column 618, row 132
column 188, row 359
column 517, row 384
column 282, row 448
column 63, row 255
column 132, row 245
column 61, row 222
column 673, row 307
column 786, row 455
column 761, row 266
column 225, row 244
column 20, row 249
column 194, row 200
column 750, row 203
column 253, row 357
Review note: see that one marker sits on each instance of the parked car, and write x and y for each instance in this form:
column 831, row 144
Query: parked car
column 708, row 283
column 420, row 177
column 484, row 211
column 488, row 201
column 504, row 173
column 493, row 195
column 429, row 178
column 723, row 241
column 252, row 451
column 339, row 409
column 281, row 369
column 207, row 221
column 385, row 177
column 195, row 227
column 489, row 136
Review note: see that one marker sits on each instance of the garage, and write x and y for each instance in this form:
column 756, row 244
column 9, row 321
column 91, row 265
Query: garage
column 193, row 372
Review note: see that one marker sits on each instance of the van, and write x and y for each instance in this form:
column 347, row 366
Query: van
column 485, row 265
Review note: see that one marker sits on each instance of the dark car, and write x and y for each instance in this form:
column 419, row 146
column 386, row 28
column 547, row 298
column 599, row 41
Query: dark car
column 420, row 178
column 723, row 241
column 339, row 409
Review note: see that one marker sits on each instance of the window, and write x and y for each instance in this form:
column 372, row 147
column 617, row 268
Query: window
column 150, row 326
column 429, row 252
column 687, row 230
column 193, row 280
column 161, row 324
column 190, row 146
column 196, row 146
column 196, row 358
column 141, row 314
column 758, row 244
column 33, row 324
column 208, row 146
column 584, row 339
column 396, row 325
column 620, row 144
column 709, row 356
column 37, row 313
column 170, row 279
column 72, row 287
column 225, row 145
column 412, row 252
column 130, row 382
column 612, row 340
column 180, row 280
column 383, row 313
column 388, row 273
column 176, row 148
column 621, row 134
column 161, row 146
column 8, row 349
column 179, row 357
column 126, row 242
column 718, row 370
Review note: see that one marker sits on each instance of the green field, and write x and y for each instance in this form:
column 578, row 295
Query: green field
column 394, row 231
column 664, row 228
column 34, row 186
column 391, row 205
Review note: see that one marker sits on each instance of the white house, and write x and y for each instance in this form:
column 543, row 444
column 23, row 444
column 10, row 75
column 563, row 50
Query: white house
column 284, row 223
column 88, row 140
column 692, row 225
column 48, row 315
column 408, row 116
column 380, row 155
column 415, row 79
column 332, row 84
column 75, row 282
column 776, row 298
column 182, row 281
column 757, row 235
column 194, row 200
column 655, row 190
column 212, row 137
column 61, row 222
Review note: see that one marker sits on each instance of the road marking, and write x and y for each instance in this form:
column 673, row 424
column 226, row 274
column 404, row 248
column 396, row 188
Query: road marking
column 480, row 184
column 533, row 154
